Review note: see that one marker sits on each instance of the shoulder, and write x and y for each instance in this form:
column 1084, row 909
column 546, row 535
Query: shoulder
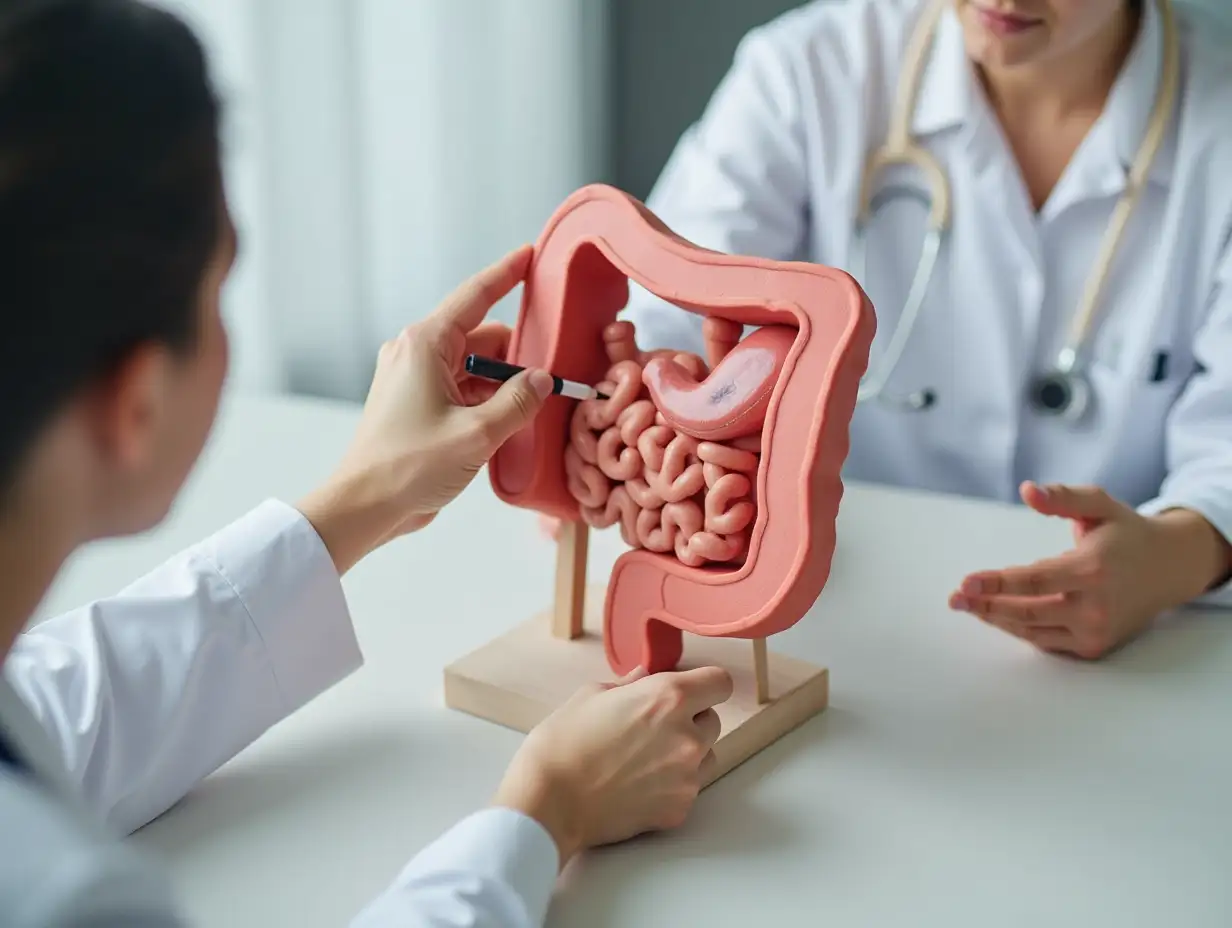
column 850, row 26
column 1204, row 140
column 58, row 870
column 834, row 46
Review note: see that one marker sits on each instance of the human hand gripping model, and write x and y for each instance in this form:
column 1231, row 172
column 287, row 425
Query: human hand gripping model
column 616, row 760
column 1124, row 570
column 427, row 427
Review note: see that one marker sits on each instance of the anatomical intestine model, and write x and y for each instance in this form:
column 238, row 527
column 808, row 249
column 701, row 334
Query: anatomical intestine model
column 671, row 454
column 722, row 474
column 725, row 482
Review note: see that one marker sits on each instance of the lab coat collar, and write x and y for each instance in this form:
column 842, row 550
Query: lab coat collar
column 947, row 86
column 949, row 97
column 1128, row 110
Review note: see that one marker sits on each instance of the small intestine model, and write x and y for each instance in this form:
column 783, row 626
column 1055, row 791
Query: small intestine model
column 672, row 454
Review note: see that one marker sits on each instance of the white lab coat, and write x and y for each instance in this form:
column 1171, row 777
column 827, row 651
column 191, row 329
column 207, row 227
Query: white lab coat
column 773, row 169
column 121, row 707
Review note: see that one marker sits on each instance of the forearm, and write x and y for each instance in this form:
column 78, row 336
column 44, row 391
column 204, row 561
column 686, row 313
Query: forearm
column 352, row 516
column 1198, row 557
column 150, row 691
column 1195, row 499
column 495, row 869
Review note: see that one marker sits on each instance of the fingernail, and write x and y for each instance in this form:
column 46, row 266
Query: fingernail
column 960, row 603
column 541, row 382
column 973, row 587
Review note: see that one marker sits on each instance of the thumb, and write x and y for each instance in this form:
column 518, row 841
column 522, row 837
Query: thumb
column 637, row 673
column 513, row 406
column 1081, row 503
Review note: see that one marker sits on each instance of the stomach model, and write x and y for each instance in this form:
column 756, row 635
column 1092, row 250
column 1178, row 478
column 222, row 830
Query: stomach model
column 672, row 454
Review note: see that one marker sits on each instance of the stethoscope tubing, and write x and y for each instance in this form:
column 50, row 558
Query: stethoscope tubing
column 1067, row 373
column 874, row 384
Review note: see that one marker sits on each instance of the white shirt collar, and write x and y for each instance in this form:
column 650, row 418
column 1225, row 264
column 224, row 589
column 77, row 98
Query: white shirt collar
column 950, row 97
column 948, row 86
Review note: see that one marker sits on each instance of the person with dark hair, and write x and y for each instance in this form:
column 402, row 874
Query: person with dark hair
column 115, row 240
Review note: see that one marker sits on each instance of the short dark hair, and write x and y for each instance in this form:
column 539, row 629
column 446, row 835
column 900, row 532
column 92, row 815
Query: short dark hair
column 110, row 198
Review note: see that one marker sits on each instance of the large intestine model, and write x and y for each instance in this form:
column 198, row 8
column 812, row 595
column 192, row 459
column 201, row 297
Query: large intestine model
column 724, row 479
column 671, row 454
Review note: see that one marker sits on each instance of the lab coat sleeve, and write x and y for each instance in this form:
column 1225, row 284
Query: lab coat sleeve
column 109, row 895
column 148, row 692
column 495, row 869
column 1199, row 428
column 54, row 874
column 736, row 183
column 111, row 890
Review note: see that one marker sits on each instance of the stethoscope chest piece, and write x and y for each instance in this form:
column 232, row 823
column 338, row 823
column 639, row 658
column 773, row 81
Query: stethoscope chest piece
column 1060, row 394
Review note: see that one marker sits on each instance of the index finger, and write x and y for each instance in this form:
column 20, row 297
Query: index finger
column 704, row 688
column 1065, row 574
column 490, row 339
column 467, row 306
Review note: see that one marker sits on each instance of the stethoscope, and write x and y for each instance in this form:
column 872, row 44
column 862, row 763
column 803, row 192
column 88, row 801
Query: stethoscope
column 1064, row 391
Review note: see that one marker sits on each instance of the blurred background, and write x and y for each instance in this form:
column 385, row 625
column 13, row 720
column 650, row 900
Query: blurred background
column 381, row 151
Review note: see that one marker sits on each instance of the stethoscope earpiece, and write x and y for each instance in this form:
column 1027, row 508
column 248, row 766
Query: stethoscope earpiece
column 919, row 400
column 911, row 402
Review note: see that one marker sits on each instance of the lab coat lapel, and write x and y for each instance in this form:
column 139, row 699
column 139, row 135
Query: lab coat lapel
column 951, row 101
column 945, row 98
column 1100, row 167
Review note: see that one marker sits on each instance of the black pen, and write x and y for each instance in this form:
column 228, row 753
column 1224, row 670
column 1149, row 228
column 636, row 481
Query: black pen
column 491, row 369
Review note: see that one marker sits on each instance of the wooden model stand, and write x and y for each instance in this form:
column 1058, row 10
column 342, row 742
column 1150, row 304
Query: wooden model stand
column 523, row 676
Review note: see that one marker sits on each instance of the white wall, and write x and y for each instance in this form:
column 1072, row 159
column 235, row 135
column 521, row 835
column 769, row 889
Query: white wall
column 478, row 117
column 226, row 29
column 381, row 151
column 1220, row 9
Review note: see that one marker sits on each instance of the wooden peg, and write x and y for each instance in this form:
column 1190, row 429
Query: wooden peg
column 761, row 670
column 571, row 549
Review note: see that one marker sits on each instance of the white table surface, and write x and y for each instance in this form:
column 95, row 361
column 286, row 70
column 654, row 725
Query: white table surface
column 958, row 778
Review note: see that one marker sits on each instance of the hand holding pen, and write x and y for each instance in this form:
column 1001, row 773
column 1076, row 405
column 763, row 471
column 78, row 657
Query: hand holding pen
column 500, row 371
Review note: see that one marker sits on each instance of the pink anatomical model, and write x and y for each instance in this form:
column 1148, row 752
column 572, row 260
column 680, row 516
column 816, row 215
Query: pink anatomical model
column 724, row 474
column 672, row 455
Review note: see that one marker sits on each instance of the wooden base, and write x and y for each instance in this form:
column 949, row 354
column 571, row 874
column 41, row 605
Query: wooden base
column 523, row 676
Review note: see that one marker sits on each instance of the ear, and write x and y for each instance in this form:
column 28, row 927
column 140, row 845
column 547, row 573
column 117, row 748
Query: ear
column 129, row 405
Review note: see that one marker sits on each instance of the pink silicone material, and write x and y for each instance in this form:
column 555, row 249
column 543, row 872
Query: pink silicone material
column 732, row 401
column 577, row 284
column 660, row 472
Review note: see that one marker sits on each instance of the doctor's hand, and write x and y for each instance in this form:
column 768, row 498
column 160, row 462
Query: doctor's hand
column 1123, row 571
column 427, row 427
column 619, row 760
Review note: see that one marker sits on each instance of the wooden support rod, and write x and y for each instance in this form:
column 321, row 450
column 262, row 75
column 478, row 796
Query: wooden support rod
column 571, row 549
column 761, row 670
